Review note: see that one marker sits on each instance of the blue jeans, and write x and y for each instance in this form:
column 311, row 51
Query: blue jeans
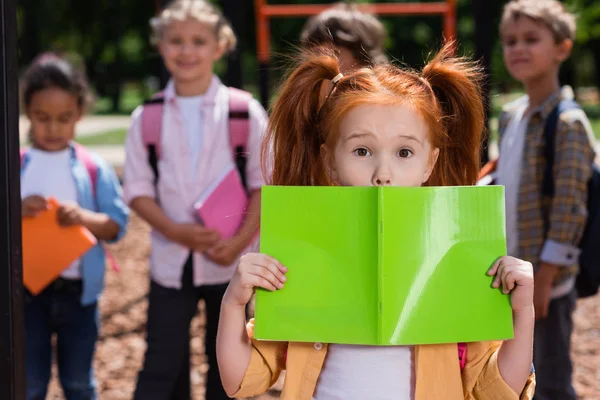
column 58, row 310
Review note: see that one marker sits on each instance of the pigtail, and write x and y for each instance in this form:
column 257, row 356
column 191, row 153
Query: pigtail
column 455, row 83
column 291, row 151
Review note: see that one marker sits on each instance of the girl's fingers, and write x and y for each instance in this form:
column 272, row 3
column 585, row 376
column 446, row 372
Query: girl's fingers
column 267, row 274
column 262, row 282
column 509, row 278
column 273, row 269
column 510, row 282
column 492, row 271
column 264, row 260
column 497, row 268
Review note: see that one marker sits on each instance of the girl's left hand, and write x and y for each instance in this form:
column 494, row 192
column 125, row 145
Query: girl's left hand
column 69, row 214
column 516, row 277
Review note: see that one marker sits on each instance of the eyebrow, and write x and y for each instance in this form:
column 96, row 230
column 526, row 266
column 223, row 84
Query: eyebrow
column 367, row 134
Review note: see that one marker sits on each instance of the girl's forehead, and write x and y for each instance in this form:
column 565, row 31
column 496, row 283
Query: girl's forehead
column 54, row 98
column 390, row 118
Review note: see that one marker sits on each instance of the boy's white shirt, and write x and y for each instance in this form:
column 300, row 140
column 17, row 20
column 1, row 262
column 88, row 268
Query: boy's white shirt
column 508, row 172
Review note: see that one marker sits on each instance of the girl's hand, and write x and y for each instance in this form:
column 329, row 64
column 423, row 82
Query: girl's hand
column 32, row 205
column 254, row 270
column 69, row 214
column 516, row 277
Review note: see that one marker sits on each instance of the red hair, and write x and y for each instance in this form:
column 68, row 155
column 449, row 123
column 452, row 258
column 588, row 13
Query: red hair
column 446, row 94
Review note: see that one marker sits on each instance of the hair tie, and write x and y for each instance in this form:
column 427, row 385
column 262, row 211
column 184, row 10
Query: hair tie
column 334, row 83
column 327, row 89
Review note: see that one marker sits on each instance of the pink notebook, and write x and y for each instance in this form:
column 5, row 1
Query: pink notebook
column 223, row 204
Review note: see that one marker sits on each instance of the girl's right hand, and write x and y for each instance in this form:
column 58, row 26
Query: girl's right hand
column 32, row 205
column 194, row 236
column 254, row 270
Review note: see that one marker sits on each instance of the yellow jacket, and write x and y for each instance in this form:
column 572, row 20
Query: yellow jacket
column 438, row 375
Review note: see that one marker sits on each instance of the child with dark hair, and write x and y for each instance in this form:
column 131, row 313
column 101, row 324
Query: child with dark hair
column 55, row 96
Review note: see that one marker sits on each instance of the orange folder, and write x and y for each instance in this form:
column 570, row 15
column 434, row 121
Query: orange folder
column 49, row 249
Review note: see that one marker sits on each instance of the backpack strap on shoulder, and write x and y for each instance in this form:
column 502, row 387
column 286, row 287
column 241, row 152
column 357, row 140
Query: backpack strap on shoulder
column 549, row 147
column 22, row 153
column 83, row 155
column 462, row 355
column 152, row 114
column 239, row 128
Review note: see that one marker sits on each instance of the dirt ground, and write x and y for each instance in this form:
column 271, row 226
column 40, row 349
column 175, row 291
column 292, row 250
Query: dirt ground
column 121, row 346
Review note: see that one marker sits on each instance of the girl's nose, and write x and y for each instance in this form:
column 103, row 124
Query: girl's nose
column 382, row 177
column 382, row 182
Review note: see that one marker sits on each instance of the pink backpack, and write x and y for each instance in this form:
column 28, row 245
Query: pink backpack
column 239, row 129
column 85, row 157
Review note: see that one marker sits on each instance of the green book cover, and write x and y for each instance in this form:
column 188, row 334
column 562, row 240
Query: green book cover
column 383, row 265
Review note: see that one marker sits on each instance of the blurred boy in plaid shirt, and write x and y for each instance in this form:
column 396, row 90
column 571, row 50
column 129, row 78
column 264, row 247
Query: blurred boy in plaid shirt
column 537, row 36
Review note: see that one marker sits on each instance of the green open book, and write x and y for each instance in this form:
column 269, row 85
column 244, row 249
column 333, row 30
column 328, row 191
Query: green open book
column 384, row 266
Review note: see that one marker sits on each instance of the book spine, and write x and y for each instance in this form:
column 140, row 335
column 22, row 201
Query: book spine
column 380, row 272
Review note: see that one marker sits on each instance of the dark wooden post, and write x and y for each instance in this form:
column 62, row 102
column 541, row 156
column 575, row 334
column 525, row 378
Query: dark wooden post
column 12, row 348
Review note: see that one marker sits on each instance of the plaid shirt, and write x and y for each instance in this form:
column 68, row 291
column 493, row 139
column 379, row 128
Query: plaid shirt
column 550, row 228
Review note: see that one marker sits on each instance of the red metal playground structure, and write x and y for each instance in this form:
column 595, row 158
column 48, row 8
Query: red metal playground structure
column 266, row 12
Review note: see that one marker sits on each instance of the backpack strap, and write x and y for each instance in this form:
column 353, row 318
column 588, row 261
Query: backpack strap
column 462, row 355
column 152, row 114
column 22, row 153
column 239, row 129
column 549, row 134
column 83, row 155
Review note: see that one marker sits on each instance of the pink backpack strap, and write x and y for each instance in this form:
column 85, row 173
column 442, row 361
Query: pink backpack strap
column 152, row 114
column 239, row 120
column 87, row 159
column 22, row 153
column 462, row 355
column 239, row 127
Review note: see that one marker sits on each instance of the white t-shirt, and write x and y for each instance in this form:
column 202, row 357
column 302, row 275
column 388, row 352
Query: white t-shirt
column 509, row 173
column 193, row 124
column 355, row 372
column 49, row 174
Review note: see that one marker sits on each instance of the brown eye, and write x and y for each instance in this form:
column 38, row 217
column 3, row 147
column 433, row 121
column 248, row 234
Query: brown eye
column 405, row 153
column 362, row 152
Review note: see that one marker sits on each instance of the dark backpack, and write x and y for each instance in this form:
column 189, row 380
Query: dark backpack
column 588, row 280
